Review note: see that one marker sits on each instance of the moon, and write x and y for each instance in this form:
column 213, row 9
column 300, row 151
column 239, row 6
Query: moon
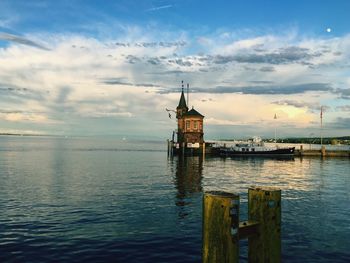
column 328, row 30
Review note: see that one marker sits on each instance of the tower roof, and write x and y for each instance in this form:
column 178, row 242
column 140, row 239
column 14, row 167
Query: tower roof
column 193, row 112
column 182, row 102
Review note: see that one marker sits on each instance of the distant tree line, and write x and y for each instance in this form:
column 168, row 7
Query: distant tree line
column 313, row 140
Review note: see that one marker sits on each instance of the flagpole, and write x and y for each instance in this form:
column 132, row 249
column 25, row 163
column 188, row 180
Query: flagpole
column 321, row 116
column 275, row 130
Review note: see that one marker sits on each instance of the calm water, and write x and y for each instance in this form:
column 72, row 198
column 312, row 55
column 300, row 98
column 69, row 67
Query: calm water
column 97, row 200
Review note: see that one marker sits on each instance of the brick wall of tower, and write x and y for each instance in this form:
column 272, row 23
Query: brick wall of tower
column 193, row 129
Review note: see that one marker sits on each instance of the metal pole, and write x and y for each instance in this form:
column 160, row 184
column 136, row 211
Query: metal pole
column 275, row 118
column 321, row 125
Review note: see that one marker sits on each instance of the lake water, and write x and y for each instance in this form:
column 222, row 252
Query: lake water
column 98, row 200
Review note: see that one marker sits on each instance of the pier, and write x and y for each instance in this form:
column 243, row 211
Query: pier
column 322, row 152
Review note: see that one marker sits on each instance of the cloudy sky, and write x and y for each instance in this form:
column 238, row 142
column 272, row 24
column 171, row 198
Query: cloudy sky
column 75, row 67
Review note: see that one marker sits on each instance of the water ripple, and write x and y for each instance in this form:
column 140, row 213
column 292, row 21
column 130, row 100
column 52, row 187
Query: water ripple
column 100, row 201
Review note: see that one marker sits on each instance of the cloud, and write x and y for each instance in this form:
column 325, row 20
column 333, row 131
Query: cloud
column 18, row 94
column 181, row 62
column 264, row 90
column 63, row 95
column 123, row 82
column 168, row 72
column 157, row 8
column 168, row 44
column 21, row 116
column 344, row 108
column 286, row 55
column 116, row 81
column 147, row 85
column 105, row 114
column 267, row 69
column 341, row 123
column 298, row 104
column 129, row 80
column 261, row 81
column 21, row 40
column 214, row 121
column 154, row 61
column 133, row 59
column 344, row 93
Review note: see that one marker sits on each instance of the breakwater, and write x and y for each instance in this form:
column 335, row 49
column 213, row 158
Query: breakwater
column 323, row 152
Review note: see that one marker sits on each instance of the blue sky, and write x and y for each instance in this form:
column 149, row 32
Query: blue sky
column 310, row 16
column 112, row 67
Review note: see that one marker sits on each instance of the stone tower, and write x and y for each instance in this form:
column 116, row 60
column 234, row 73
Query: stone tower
column 189, row 124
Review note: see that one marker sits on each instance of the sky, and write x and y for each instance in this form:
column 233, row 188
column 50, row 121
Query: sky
column 111, row 68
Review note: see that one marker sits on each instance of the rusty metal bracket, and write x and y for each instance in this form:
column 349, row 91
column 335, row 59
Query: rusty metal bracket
column 247, row 229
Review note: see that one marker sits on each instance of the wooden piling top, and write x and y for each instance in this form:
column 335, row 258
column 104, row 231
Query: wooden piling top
column 264, row 188
column 221, row 194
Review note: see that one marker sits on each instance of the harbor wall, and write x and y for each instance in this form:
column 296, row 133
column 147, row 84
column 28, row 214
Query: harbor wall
column 211, row 148
column 323, row 152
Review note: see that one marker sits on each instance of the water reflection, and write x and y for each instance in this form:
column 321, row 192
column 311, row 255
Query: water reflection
column 187, row 180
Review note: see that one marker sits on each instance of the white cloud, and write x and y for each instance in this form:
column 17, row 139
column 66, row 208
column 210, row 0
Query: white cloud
column 69, row 84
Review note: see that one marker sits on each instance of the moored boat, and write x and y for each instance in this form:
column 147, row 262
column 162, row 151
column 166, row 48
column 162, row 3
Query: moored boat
column 256, row 147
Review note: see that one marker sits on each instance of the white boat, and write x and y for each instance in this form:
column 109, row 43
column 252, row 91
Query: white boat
column 256, row 147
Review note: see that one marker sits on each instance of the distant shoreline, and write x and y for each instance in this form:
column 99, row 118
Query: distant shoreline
column 343, row 140
column 19, row 134
column 31, row 135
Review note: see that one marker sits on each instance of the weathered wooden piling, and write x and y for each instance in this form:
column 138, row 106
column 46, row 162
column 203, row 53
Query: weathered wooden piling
column 168, row 144
column 323, row 151
column 264, row 207
column 220, row 227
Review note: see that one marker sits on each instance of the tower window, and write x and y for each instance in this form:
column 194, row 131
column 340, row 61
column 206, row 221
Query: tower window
column 195, row 125
column 187, row 125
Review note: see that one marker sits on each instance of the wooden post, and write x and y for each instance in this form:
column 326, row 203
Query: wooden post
column 264, row 206
column 168, row 146
column 203, row 149
column 171, row 148
column 220, row 227
column 323, row 151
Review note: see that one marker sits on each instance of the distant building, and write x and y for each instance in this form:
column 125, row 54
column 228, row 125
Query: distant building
column 189, row 125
